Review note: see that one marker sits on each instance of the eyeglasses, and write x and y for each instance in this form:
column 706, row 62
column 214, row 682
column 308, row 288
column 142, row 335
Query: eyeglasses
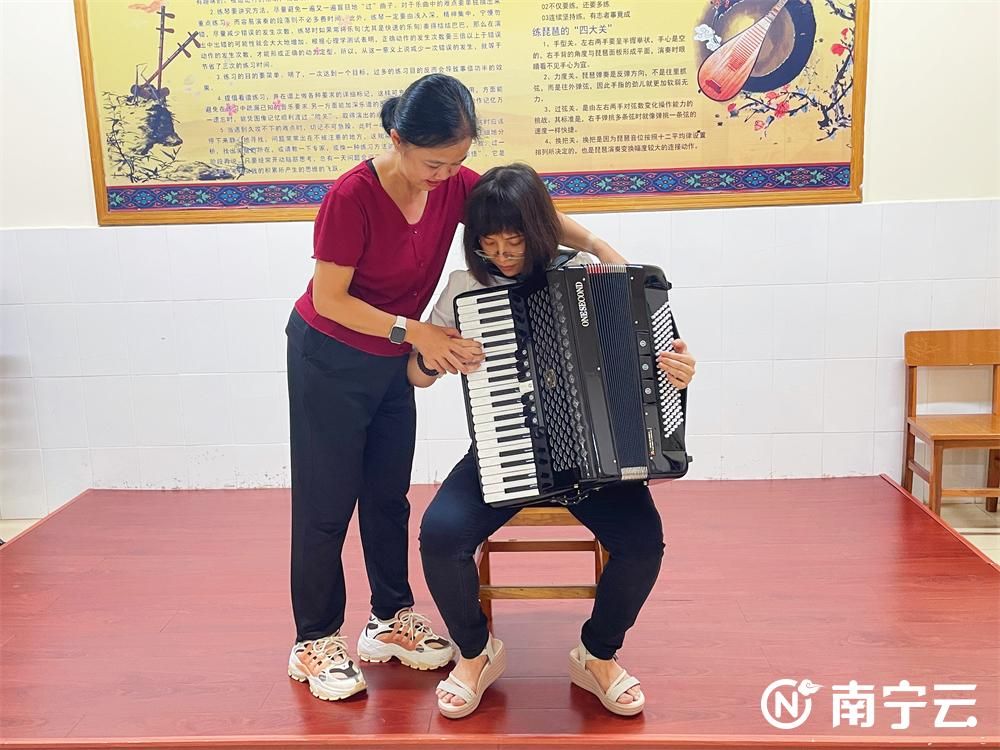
column 506, row 254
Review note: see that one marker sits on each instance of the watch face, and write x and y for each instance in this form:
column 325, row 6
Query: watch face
column 397, row 335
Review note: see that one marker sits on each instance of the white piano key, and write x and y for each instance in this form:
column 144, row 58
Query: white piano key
column 501, row 497
column 525, row 454
column 488, row 448
column 476, row 328
column 491, row 398
column 498, row 376
column 494, row 457
column 498, row 417
column 485, row 411
column 496, row 484
column 500, row 310
column 493, row 372
column 486, row 421
column 487, row 472
column 500, row 391
column 496, row 402
column 487, row 445
column 512, row 386
column 498, row 379
column 490, row 435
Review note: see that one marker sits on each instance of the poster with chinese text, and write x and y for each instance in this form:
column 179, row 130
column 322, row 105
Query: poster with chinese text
column 236, row 110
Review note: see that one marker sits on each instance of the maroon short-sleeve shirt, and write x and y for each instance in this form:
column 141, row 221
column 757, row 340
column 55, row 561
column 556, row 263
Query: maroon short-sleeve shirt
column 396, row 264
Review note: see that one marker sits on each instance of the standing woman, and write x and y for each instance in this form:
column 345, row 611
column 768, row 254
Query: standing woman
column 380, row 243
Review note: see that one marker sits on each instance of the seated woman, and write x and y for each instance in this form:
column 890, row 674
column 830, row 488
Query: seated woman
column 511, row 232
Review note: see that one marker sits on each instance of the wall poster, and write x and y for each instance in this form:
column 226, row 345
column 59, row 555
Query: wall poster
column 246, row 110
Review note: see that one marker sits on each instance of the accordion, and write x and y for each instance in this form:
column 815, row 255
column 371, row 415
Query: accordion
column 569, row 397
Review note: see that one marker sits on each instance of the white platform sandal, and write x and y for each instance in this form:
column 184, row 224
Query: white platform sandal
column 496, row 662
column 584, row 678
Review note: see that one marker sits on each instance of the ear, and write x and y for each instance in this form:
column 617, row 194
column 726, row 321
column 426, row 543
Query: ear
column 397, row 141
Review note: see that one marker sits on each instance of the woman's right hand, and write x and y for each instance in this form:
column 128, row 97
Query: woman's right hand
column 444, row 350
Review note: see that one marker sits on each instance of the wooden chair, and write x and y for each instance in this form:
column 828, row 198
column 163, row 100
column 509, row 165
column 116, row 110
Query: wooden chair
column 537, row 516
column 943, row 431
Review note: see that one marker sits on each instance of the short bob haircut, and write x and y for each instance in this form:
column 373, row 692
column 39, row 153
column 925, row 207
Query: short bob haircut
column 508, row 200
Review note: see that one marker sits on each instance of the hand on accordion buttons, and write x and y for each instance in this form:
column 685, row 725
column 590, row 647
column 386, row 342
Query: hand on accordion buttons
column 677, row 365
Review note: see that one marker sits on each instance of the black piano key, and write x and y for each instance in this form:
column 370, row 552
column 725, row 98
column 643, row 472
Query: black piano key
column 518, row 462
column 498, row 367
column 498, row 307
column 502, row 378
column 498, row 357
column 507, row 402
column 494, row 318
column 494, row 344
column 494, row 334
column 509, row 438
column 492, row 297
column 504, row 392
column 520, row 488
column 505, row 417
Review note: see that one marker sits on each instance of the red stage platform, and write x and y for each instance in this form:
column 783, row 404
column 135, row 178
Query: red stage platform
column 161, row 619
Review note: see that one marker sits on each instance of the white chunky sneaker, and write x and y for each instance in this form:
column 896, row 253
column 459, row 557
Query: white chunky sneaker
column 325, row 665
column 409, row 637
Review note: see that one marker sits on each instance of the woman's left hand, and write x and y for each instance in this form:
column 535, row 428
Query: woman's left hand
column 610, row 256
column 677, row 365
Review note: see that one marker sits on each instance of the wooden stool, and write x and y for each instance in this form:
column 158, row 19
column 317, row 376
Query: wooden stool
column 537, row 516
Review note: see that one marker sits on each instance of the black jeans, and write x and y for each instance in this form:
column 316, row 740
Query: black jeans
column 622, row 516
column 353, row 429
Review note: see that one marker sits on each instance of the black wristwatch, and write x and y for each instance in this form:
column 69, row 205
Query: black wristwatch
column 397, row 334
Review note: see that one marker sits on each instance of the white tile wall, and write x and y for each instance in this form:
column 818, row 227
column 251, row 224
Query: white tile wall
column 10, row 269
column 849, row 395
column 747, row 313
column 908, row 249
column 798, row 396
column 799, row 330
column 855, row 243
column 802, row 244
column 851, row 315
column 154, row 356
column 68, row 473
column 748, row 254
column 796, row 455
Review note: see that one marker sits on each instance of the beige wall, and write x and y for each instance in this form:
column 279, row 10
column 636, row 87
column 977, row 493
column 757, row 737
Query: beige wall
column 43, row 129
column 933, row 106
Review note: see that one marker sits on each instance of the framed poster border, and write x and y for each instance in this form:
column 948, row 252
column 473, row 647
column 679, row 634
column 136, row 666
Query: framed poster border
column 714, row 195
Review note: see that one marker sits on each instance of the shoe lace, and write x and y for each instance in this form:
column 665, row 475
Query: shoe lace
column 333, row 648
column 412, row 624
